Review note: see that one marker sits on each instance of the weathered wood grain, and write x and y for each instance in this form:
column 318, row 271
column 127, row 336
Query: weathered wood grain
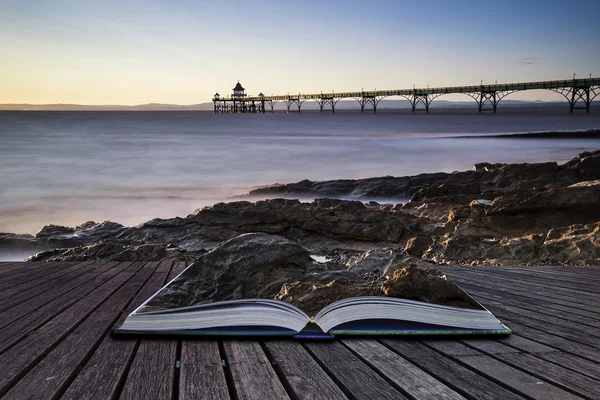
column 202, row 375
column 11, row 280
column 252, row 375
column 26, row 353
column 19, row 296
column 556, row 342
column 527, row 296
column 522, row 382
column 35, row 302
column 21, row 325
column 110, row 361
column 351, row 373
column 72, row 352
column 450, row 372
column 154, row 361
column 410, row 378
column 24, row 269
column 556, row 374
column 301, row 372
column 54, row 343
column 542, row 307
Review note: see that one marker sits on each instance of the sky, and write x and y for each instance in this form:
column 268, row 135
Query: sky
column 183, row 51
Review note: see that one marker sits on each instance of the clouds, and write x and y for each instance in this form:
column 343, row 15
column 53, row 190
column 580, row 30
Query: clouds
column 530, row 60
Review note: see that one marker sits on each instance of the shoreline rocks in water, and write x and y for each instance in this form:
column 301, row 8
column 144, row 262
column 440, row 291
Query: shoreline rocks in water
column 495, row 214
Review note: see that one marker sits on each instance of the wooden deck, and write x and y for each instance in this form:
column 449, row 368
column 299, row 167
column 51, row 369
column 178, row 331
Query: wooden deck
column 55, row 321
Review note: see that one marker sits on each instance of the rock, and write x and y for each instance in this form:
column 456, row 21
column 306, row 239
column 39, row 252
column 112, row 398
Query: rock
column 21, row 241
column 418, row 245
column 17, row 247
column 522, row 178
column 113, row 250
column 247, row 266
column 387, row 187
column 430, row 286
column 312, row 297
column 487, row 167
column 575, row 245
column 89, row 232
column 373, row 260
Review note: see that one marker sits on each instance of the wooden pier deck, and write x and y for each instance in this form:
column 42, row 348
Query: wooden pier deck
column 55, row 321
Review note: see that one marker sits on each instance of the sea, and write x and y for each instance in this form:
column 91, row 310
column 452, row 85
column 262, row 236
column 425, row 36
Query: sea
column 67, row 168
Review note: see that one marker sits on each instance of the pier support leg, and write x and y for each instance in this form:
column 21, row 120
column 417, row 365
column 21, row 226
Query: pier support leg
column 578, row 96
column 366, row 100
column 420, row 99
column 486, row 98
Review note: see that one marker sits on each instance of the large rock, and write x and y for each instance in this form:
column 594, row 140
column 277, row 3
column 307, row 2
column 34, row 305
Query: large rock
column 247, row 266
column 430, row 286
column 89, row 232
column 521, row 178
column 387, row 187
column 313, row 297
column 309, row 223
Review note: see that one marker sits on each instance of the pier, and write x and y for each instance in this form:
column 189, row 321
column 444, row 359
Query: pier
column 578, row 92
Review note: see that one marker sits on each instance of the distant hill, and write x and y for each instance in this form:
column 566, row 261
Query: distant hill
column 309, row 105
column 82, row 107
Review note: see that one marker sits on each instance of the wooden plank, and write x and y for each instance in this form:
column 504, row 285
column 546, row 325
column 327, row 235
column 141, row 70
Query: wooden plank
column 35, row 291
column 202, row 375
column 541, row 297
column 520, row 381
column 20, row 268
column 553, row 289
column 525, row 345
column 46, row 299
column 582, row 385
column 529, row 277
column 412, row 380
column 10, row 289
column 539, row 275
column 556, row 342
column 110, row 362
column 164, row 355
column 300, row 372
column 22, row 325
column 542, row 290
column 450, row 372
column 66, row 358
column 22, row 356
column 252, row 375
column 573, row 362
column 528, row 297
column 350, row 373
column 550, row 327
column 34, row 273
column 539, row 306
column 154, row 361
column 4, row 264
column 489, row 346
column 591, row 331
column 12, row 268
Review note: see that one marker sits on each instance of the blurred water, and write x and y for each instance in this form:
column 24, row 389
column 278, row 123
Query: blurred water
column 70, row 167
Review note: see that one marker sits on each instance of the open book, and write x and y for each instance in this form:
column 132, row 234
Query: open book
column 204, row 300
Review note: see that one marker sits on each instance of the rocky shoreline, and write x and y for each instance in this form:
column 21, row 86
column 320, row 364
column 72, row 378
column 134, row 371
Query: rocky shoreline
column 494, row 214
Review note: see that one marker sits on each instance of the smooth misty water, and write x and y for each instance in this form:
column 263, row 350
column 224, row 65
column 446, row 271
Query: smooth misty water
column 70, row 167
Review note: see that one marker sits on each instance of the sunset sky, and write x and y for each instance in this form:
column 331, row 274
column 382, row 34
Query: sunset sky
column 182, row 52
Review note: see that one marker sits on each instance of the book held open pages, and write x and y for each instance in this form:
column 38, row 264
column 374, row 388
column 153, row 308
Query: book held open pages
column 292, row 295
